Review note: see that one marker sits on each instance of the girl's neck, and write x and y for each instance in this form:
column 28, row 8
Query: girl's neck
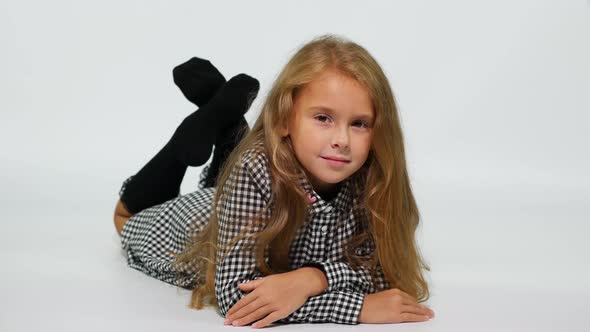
column 330, row 194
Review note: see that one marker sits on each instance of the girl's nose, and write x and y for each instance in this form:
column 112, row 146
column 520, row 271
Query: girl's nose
column 340, row 139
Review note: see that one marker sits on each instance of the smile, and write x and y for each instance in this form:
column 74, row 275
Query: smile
column 334, row 162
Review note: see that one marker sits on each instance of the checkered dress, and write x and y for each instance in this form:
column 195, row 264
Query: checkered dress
column 152, row 234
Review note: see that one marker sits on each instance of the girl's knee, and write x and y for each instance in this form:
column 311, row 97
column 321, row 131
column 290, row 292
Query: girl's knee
column 121, row 216
column 120, row 222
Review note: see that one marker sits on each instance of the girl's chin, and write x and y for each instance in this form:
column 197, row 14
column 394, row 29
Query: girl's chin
column 327, row 183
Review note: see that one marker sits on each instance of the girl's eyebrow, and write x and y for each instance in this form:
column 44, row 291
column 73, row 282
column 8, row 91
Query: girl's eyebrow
column 364, row 116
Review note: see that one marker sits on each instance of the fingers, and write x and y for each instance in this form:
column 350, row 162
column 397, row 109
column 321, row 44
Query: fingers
column 246, row 299
column 250, row 284
column 273, row 317
column 415, row 309
column 245, row 310
column 246, row 287
column 418, row 305
column 241, row 303
column 422, row 309
column 409, row 317
column 409, row 300
column 254, row 316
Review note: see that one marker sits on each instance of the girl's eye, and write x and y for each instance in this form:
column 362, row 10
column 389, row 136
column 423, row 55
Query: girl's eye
column 319, row 117
column 322, row 119
column 362, row 124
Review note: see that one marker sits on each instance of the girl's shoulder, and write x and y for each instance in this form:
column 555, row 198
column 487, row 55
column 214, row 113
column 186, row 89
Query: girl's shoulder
column 255, row 158
column 256, row 163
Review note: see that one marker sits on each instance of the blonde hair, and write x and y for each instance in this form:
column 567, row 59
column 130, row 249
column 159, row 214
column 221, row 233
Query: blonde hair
column 386, row 198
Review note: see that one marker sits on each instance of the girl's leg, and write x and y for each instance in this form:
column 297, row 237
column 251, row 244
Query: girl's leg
column 199, row 80
column 159, row 180
column 121, row 216
column 224, row 145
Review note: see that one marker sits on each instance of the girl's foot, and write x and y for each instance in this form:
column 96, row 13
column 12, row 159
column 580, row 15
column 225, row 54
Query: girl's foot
column 198, row 80
column 193, row 140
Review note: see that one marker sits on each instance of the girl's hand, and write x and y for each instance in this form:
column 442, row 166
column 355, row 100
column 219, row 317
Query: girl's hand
column 393, row 306
column 271, row 298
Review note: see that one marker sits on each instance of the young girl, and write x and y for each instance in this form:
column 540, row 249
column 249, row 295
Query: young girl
column 314, row 214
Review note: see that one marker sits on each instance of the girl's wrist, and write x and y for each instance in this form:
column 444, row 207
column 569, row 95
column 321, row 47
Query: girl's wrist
column 314, row 281
column 362, row 318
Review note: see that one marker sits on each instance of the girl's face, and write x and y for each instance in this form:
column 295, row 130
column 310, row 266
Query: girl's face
column 332, row 119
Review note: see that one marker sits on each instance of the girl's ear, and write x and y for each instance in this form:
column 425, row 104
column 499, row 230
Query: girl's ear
column 283, row 131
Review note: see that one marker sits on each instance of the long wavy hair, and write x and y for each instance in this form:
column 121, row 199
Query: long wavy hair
column 386, row 198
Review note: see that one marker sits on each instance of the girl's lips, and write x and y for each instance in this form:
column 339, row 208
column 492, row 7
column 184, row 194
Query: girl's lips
column 335, row 159
column 335, row 163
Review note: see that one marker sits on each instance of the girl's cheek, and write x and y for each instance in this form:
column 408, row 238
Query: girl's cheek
column 320, row 124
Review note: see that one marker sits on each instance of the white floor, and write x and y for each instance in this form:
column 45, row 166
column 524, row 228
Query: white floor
column 502, row 260
column 494, row 106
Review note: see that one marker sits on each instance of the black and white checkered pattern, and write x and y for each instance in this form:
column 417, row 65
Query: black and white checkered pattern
column 151, row 234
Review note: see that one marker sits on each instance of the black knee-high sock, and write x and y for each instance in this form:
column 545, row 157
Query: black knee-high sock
column 196, row 135
column 224, row 145
column 156, row 182
column 159, row 180
column 198, row 79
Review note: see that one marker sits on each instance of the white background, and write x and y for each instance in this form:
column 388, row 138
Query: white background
column 493, row 96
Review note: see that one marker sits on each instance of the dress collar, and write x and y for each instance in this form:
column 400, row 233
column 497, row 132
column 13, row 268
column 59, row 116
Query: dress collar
column 342, row 202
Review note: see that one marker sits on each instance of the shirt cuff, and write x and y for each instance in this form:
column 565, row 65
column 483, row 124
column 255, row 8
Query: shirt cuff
column 336, row 273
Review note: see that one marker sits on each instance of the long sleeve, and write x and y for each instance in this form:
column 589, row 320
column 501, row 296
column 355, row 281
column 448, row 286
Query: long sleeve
column 343, row 300
column 337, row 306
column 341, row 276
column 241, row 200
